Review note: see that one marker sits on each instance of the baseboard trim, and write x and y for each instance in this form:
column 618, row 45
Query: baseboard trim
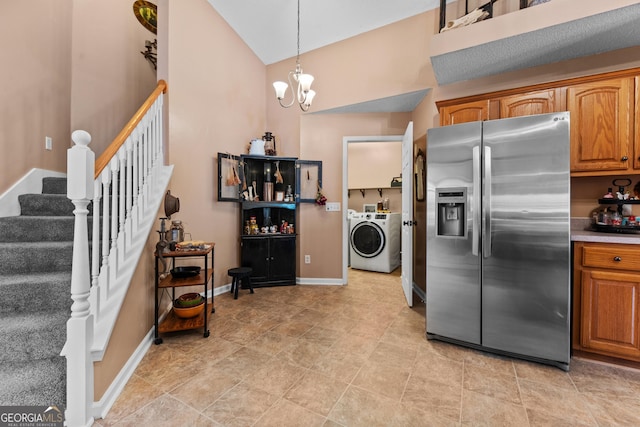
column 30, row 183
column 219, row 290
column 318, row 281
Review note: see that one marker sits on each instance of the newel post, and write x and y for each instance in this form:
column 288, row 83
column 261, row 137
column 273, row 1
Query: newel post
column 80, row 187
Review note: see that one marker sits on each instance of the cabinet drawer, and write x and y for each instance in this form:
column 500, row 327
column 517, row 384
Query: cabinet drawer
column 611, row 256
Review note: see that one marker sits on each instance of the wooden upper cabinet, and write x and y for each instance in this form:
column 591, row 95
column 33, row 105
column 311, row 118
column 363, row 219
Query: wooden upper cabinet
column 636, row 136
column 527, row 104
column 463, row 113
column 601, row 125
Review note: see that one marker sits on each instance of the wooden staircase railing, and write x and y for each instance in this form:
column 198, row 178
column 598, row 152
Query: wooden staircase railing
column 125, row 187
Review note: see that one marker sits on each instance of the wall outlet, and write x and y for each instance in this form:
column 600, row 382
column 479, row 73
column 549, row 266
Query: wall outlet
column 48, row 143
column 307, row 259
column 332, row 207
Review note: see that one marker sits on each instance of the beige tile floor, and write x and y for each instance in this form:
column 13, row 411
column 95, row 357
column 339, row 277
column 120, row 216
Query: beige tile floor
column 355, row 355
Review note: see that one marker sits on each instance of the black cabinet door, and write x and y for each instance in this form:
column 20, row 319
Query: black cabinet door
column 255, row 254
column 283, row 258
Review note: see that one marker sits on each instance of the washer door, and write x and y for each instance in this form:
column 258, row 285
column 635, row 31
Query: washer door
column 367, row 239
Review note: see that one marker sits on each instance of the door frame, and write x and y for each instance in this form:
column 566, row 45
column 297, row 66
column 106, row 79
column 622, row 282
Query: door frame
column 345, row 191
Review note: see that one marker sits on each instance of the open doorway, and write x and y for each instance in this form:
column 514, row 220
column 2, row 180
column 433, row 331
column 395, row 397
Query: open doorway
column 406, row 218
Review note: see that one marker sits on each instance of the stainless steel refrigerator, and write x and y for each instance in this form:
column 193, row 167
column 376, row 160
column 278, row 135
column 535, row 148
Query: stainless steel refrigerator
column 498, row 236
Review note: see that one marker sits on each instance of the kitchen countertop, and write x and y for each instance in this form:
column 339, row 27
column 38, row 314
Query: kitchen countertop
column 580, row 234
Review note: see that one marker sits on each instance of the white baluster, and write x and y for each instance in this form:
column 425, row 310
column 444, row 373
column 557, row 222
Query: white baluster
column 106, row 215
column 160, row 102
column 113, row 252
column 135, row 179
column 129, row 194
column 122, row 173
column 95, row 250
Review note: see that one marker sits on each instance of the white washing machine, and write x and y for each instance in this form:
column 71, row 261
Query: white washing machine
column 375, row 241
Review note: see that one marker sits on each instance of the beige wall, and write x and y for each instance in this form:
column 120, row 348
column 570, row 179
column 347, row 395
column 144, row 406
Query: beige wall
column 111, row 78
column 217, row 104
column 321, row 231
column 373, row 164
column 35, row 87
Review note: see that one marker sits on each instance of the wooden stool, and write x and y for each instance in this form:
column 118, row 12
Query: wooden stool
column 240, row 275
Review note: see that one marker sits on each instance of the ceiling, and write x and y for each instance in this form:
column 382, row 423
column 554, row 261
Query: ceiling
column 269, row 27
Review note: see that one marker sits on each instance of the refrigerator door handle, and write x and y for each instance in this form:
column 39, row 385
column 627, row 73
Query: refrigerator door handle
column 475, row 227
column 486, row 204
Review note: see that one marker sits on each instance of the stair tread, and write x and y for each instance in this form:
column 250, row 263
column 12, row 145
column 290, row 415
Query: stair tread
column 32, row 321
column 36, row 228
column 32, row 245
column 32, row 336
column 38, row 382
column 27, row 278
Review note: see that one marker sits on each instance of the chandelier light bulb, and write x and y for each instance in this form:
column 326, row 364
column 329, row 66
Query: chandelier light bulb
column 309, row 98
column 305, row 81
column 280, row 88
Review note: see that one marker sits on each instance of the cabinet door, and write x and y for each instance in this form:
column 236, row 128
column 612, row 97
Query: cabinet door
column 230, row 177
column 255, row 254
column 542, row 102
column 636, row 137
column 610, row 318
column 600, row 125
column 283, row 258
column 463, row 113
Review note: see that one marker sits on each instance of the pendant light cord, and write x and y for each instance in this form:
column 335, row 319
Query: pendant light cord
column 298, row 57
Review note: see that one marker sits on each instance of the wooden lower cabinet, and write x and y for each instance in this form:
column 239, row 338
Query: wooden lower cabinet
column 607, row 300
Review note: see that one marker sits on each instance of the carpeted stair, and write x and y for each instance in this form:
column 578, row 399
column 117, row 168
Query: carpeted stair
column 35, row 279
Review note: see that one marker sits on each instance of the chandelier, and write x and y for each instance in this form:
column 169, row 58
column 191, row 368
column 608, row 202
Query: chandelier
column 304, row 93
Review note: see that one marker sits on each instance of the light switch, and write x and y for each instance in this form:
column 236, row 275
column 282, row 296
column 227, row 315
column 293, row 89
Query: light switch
column 332, row 207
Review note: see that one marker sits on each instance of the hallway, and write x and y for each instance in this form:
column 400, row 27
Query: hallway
column 355, row 355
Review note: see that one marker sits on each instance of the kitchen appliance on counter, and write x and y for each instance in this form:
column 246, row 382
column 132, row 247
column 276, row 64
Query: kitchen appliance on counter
column 498, row 236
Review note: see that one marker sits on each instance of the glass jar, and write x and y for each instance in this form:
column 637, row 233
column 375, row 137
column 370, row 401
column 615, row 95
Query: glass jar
column 616, row 219
column 177, row 231
column 288, row 196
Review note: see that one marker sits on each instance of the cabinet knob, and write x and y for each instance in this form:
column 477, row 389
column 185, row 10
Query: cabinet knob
column 625, row 158
column 617, row 259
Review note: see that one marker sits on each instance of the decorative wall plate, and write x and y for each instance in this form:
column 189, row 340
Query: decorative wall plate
column 147, row 14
